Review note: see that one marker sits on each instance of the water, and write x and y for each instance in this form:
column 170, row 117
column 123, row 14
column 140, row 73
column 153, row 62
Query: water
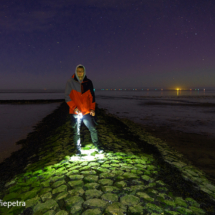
column 59, row 94
column 187, row 111
column 17, row 121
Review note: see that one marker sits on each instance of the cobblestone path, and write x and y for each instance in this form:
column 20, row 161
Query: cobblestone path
column 136, row 174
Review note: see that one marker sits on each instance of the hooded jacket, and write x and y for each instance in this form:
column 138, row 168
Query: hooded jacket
column 80, row 94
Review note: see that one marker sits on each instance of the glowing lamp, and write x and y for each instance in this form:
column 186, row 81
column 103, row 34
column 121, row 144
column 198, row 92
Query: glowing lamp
column 80, row 116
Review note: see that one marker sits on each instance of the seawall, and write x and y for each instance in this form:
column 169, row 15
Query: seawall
column 136, row 172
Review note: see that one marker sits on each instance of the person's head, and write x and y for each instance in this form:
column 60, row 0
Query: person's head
column 80, row 72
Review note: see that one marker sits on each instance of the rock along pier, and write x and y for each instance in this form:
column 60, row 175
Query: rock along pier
column 136, row 174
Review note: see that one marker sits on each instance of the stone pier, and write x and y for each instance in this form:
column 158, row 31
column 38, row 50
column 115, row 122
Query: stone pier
column 136, row 174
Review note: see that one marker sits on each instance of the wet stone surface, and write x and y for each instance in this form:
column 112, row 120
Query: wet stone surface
column 113, row 182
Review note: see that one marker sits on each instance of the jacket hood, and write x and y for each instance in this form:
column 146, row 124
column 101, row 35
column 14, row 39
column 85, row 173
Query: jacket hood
column 76, row 72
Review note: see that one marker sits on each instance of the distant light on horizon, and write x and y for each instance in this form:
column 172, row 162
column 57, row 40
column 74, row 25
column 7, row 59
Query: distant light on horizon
column 156, row 89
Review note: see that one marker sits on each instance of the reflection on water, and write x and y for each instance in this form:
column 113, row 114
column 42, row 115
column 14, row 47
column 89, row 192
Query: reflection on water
column 17, row 121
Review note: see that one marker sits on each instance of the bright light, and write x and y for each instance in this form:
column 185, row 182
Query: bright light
column 88, row 156
column 80, row 116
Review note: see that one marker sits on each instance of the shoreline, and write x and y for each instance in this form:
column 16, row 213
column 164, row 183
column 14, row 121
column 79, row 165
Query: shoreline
column 16, row 163
column 176, row 139
column 33, row 101
column 188, row 144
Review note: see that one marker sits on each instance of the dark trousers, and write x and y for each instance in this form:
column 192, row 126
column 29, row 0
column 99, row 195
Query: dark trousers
column 89, row 123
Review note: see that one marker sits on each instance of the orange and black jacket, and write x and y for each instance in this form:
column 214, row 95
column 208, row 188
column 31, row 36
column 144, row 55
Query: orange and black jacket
column 80, row 94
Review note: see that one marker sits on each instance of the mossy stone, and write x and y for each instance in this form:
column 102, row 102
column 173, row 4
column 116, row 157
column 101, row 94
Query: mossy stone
column 45, row 184
column 14, row 188
column 92, row 172
column 72, row 172
column 106, row 175
column 93, row 164
column 93, row 193
column 116, row 208
column 77, row 191
column 117, row 172
column 115, row 161
column 105, row 182
column 92, row 212
column 32, row 202
column 136, row 182
column 45, row 190
column 36, row 184
column 114, row 165
column 85, row 168
column 120, row 184
column 75, row 177
column 129, row 200
column 84, row 163
column 31, row 180
column 91, row 178
column 136, row 209
column 58, row 183
column 41, row 208
column 30, row 194
column 61, row 196
column 62, row 212
column 77, row 183
column 154, row 207
column 144, row 196
column 105, row 166
column 38, row 172
column 57, row 178
column 100, row 169
column 110, row 189
column 72, row 201
column 59, row 189
column 10, row 196
column 95, row 203
column 139, row 187
column 50, row 212
column 147, row 178
column 90, row 186
column 110, row 197
column 130, row 176
column 46, row 196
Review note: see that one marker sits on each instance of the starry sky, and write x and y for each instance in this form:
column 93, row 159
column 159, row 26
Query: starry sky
column 122, row 43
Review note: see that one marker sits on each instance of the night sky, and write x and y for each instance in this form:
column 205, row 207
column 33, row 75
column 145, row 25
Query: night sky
column 122, row 43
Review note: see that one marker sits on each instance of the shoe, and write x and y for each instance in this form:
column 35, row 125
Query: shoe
column 99, row 150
